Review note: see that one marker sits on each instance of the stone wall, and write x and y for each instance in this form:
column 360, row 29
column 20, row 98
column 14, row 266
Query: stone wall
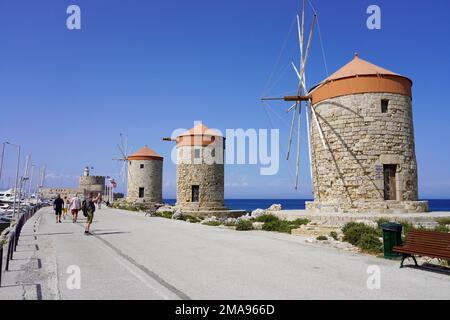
column 50, row 193
column 202, row 171
column 362, row 139
column 95, row 184
column 150, row 177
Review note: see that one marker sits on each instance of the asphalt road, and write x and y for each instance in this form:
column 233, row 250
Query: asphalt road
column 130, row 256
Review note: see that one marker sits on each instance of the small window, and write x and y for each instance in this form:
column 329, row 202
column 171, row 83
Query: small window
column 142, row 166
column 213, row 153
column 197, row 153
column 384, row 106
column 141, row 193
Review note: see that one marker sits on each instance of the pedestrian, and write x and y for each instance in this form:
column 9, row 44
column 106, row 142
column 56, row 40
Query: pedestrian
column 58, row 206
column 75, row 206
column 66, row 207
column 99, row 201
column 88, row 208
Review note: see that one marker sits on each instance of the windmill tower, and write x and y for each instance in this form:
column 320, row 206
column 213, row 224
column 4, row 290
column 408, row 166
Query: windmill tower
column 360, row 139
column 200, row 169
column 145, row 170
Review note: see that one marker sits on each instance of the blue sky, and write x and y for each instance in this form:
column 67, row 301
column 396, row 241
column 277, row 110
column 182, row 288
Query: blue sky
column 145, row 68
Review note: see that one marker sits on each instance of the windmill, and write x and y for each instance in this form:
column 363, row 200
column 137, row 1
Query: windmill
column 303, row 97
column 124, row 151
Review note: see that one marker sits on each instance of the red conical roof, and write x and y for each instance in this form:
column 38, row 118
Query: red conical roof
column 145, row 154
column 359, row 67
column 200, row 135
column 200, row 130
column 360, row 76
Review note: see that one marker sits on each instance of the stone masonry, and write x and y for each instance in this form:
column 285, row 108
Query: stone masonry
column 362, row 139
column 147, row 174
column 206, row 171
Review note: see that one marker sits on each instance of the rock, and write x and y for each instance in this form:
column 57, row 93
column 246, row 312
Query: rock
column 210, row 219
column 151, row 211
column 258, row 213
column 368, row 223
column 258, row 225
column 247, row 217
column 275, row 207
column 230, row 221
column 166, row 209
column 177, row 215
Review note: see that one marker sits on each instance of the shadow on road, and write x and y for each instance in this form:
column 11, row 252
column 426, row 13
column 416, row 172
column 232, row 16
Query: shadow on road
column 431, row 268
column 96, row 233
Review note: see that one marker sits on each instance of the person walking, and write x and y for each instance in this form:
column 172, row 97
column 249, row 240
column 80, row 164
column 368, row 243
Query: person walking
column 66, row 207
column 88, row 211
column 75, row 206
column 58, row 206
column 99, row 201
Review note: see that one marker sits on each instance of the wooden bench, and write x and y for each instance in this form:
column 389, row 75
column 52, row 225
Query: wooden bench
column 425, row 243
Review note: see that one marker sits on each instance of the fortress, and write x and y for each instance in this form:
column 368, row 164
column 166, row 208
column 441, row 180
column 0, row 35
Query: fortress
column 87, row 184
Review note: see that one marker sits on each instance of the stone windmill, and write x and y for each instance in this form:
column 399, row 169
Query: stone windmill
column 361, row 139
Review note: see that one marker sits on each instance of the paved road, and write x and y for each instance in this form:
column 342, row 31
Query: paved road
column 135, row 257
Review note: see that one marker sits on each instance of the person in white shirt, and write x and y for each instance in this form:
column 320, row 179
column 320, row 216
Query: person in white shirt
column 75, row 206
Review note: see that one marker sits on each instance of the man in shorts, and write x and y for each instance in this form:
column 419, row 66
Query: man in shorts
column 88, row 210
column 75, row 206
column 58, row 206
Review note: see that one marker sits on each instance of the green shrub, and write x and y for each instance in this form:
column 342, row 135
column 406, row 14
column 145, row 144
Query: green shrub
column 267, row 218
column 371, row 243
column 334, row 235
column 244, row 225
column 382, row 221
column 321, row 238
column 300, row 222
column 441, row 228
column 279, row 226
column 213, row 223
column 443, row 221
column 190, row 219
column 164, row 214
column 354, row 231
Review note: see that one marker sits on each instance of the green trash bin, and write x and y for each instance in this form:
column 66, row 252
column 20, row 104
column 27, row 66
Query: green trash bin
column 392, row 236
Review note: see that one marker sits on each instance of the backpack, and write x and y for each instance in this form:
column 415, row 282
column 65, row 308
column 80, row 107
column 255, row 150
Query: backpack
column 87, row 206
column 84, row 208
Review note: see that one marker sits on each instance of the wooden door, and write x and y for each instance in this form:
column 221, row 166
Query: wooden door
column 195, row 193
column 390, row 181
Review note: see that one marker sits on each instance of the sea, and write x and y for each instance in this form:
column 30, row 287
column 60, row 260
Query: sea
column 299, row 204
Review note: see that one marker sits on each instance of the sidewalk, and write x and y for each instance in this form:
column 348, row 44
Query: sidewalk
column 130, row 256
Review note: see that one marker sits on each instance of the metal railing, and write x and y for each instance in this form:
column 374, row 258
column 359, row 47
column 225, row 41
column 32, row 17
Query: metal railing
column 13, row 238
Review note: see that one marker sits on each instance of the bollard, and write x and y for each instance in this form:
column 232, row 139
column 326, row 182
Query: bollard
column 12, row 240
column 9, row 252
